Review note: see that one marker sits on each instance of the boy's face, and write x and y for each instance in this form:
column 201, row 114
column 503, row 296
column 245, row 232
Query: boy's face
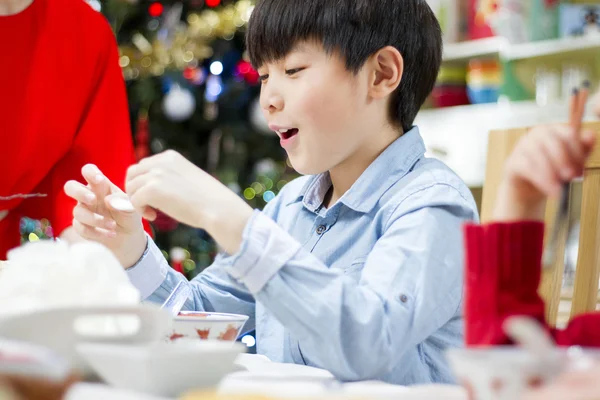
column 324, row 107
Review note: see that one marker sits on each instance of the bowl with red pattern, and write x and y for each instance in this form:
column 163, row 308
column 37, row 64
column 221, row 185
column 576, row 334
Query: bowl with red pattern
column 207, row 326
column 504, row 372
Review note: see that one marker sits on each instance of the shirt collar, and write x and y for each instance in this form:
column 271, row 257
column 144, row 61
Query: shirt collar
column 391, row 165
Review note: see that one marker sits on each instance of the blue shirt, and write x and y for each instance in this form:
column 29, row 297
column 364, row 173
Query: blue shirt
column 370, row 288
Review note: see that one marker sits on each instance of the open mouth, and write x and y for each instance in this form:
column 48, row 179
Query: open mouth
column 288, row 133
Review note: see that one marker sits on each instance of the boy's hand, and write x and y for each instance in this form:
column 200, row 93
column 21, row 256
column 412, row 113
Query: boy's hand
column 542, row 161
column 104, row 214
column 170, row 183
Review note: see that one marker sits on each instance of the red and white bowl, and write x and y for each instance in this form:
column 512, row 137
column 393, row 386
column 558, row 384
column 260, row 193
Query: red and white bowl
column 207, row 326
column 505, row 372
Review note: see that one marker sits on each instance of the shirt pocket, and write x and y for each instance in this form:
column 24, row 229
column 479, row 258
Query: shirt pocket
column 355, row 269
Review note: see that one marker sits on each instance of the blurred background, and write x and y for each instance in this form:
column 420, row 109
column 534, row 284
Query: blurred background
column 192, row 89
column 507, row 63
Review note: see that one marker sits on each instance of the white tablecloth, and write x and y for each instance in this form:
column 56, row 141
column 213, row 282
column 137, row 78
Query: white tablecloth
column 260, row 376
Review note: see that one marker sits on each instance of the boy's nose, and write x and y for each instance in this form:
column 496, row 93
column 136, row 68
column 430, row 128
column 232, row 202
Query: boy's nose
column 271, row 102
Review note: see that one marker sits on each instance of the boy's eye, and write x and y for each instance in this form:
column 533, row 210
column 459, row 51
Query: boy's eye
column 263, row 78
column 293, row 71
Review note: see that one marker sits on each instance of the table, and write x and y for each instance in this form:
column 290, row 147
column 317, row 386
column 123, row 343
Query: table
column 258, row 375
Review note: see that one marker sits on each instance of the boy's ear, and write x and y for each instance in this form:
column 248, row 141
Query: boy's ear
column 387, row 67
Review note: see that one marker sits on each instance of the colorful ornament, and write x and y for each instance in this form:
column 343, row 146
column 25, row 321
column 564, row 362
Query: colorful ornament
column 95, row 4
column 212, row 3
column 187, row 43
column 32, row 230
column 214, row 88
column 245, row 71
column 266, row 167
column 178, row 256
column 156, row 9
column 179, row 104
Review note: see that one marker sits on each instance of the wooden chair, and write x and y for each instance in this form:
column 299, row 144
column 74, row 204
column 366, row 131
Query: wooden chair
column 585, row 289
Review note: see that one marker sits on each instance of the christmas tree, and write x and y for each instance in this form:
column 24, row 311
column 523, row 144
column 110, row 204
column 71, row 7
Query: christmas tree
column 192, row 89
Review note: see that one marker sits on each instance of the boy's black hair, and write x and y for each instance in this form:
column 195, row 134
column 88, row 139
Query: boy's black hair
column 356, row 29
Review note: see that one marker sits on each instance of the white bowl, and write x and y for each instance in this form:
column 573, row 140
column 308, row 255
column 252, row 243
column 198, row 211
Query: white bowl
column 60, row 330
column 503, row 372
column 207, row 326
column 163, row 369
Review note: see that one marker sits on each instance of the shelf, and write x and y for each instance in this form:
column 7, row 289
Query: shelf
column 464, row 51
column 551, row 48
column 458, row 135
column 500, row 47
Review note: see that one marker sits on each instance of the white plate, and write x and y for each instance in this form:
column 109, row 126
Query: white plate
column 284, row 371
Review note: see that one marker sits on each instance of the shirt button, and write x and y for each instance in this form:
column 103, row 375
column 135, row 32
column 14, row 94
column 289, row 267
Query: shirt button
column 403, row 298
column 321, row 229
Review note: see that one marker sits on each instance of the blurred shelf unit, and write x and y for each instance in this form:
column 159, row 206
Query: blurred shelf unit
column 459, row 135
column 500, row 48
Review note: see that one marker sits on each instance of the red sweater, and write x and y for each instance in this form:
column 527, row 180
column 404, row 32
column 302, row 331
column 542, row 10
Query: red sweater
column 63, row 105
column 503, row 270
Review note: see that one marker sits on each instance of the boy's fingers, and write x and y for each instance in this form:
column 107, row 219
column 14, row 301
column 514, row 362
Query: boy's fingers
column 87, row 217
column 135, row 184
column 149, row 213
column 92, row 174
column 96, row 179
column 92, row 233
column 119, row 203
column 80, row 193
column 140, row 201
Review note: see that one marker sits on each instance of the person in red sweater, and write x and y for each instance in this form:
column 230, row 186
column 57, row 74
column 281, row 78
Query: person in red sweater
column 63, row 105
column 503, row 258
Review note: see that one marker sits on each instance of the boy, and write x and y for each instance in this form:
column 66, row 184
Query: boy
column 355, row 268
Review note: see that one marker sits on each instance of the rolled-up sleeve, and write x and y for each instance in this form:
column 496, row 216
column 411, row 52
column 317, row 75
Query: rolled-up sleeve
column 211, row 290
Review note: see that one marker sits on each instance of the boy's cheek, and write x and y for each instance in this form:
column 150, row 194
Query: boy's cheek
column 324, row 109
